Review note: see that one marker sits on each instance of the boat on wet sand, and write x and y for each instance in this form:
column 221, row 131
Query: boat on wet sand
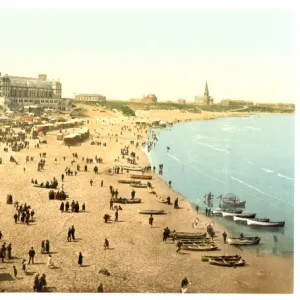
column 242, row 219
column 138, row 185
column 218, row 212
column 127, row 200
column 221, row 257
column 230, row 263
column 265, row 224
column 151, row 212
column 137, row 176
column 161, row 199
column 187, row 235
column 200, row 247
column 245, row 215
column 245, row 241
column 129, row 181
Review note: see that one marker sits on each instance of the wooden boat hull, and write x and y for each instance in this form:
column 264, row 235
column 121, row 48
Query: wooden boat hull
column 146, row 177
column 161, row 200
column 238, row 263
column 221, row 257
column 244, row 242
column 265, row 224
column 151, row 212
column 219, row 212
column 233, row 204
column 133, row 169
column 239, row 219
column 128, row 201
column 151, row 190
column 186, row 235
column 129, row 181
column 199, row 247
column 43, row 187
column 248, row 216
column 142, row 186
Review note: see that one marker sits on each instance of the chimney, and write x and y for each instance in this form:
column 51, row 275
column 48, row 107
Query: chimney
column 43, row 77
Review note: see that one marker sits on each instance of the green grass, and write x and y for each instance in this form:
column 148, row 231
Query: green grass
column 129, row 108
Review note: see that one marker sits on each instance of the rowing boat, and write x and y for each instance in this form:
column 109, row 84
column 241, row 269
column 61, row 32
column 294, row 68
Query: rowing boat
column 225, row 263
column 230, row 214
column 151, row 190
column 136, row 176
column 138, row 185
column 129, row 181
column 138, row 169
column 161, row 199
column 127, row 201
column 200, row 247
column 243, row 241
column 218, row 212
column 265, row 224
column 221, row 257
column 241, row 219
column 192, row 241
column 151, row 212
column 187, row 235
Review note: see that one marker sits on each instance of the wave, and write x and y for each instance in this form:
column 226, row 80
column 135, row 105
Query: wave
column 283, row 176
column 260, row 191
column 250, row 162
column 267, row 170
column 207, row 175
column 212, row 147
column 254, row 128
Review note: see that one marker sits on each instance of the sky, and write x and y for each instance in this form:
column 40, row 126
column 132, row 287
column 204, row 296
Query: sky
column 244, row 54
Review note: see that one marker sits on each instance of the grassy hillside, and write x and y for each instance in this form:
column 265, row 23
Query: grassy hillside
column 129, row 108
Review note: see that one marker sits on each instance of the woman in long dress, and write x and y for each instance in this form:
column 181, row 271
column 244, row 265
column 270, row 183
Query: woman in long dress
column 80, row 259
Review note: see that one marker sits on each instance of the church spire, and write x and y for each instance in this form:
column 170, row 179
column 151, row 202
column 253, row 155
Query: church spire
column 206, row 92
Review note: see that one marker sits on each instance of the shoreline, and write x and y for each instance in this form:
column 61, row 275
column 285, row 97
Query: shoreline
column 139, row 261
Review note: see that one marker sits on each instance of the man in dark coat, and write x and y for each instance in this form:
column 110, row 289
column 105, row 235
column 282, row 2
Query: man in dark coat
column 224, row 236
column 73, row 232
column 151, row 219
column 31, row 255
column 80, row 259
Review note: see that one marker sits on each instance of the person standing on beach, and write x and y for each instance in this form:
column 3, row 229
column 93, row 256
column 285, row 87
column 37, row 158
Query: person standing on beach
column 101, row 183
column 15, row 271
column 184, row 284
column 80, row 259
column 73, row 232
column 176, row 203
column 111, row 204
column 170, row 183
column 106, row 244
column 47, row 246
column 16, row 220
column 91, row 182
column 151, row 219
column 224, row 236
column 69, row 234
column 31, row 255
column 116, row 215
column 62, row 177
column 1, row 235
column 24, row 265
column 197, row 208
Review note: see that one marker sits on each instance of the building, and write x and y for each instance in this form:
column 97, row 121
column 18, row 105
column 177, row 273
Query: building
column 181, row 101
column 90, row 97
column 151, row 98
column 206, row 99
column 17, row 92
column 230, row 102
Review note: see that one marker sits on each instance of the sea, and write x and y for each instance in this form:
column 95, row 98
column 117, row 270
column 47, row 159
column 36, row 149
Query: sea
column 251, row 157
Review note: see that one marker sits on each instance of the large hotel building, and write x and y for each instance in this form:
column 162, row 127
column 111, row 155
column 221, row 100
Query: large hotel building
column 17, row 92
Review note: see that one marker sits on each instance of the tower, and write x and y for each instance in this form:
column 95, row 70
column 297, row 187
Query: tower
column 206, row 94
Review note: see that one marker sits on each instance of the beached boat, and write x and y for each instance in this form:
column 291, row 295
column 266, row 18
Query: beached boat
column 221, row 257
column 138, row 169
column 44, row 186
column 136, row 176
column 129, row 181
column 127, row 200
column 151, row 190
column 243, row 241
column 161, row 199
column 230, row 263
column 139, row 185
column 187, row 235
column 151, row 212
column 248, row 215
column 195, row 241
column 218, row 212
column 242, row 219
column 265, row 224
column 200, row 247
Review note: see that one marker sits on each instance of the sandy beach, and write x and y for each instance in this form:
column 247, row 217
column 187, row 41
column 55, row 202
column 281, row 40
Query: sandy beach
column 138, row 259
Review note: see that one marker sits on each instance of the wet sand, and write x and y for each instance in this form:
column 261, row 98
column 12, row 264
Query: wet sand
column 138, row 259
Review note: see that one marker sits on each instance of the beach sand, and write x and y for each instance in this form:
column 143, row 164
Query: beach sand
column 138, row 260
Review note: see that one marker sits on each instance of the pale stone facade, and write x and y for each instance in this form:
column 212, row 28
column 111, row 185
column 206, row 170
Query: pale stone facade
column 90, row 97
column 17, row 92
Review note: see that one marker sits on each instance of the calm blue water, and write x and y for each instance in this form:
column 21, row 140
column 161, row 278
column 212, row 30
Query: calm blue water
column 252, row 157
